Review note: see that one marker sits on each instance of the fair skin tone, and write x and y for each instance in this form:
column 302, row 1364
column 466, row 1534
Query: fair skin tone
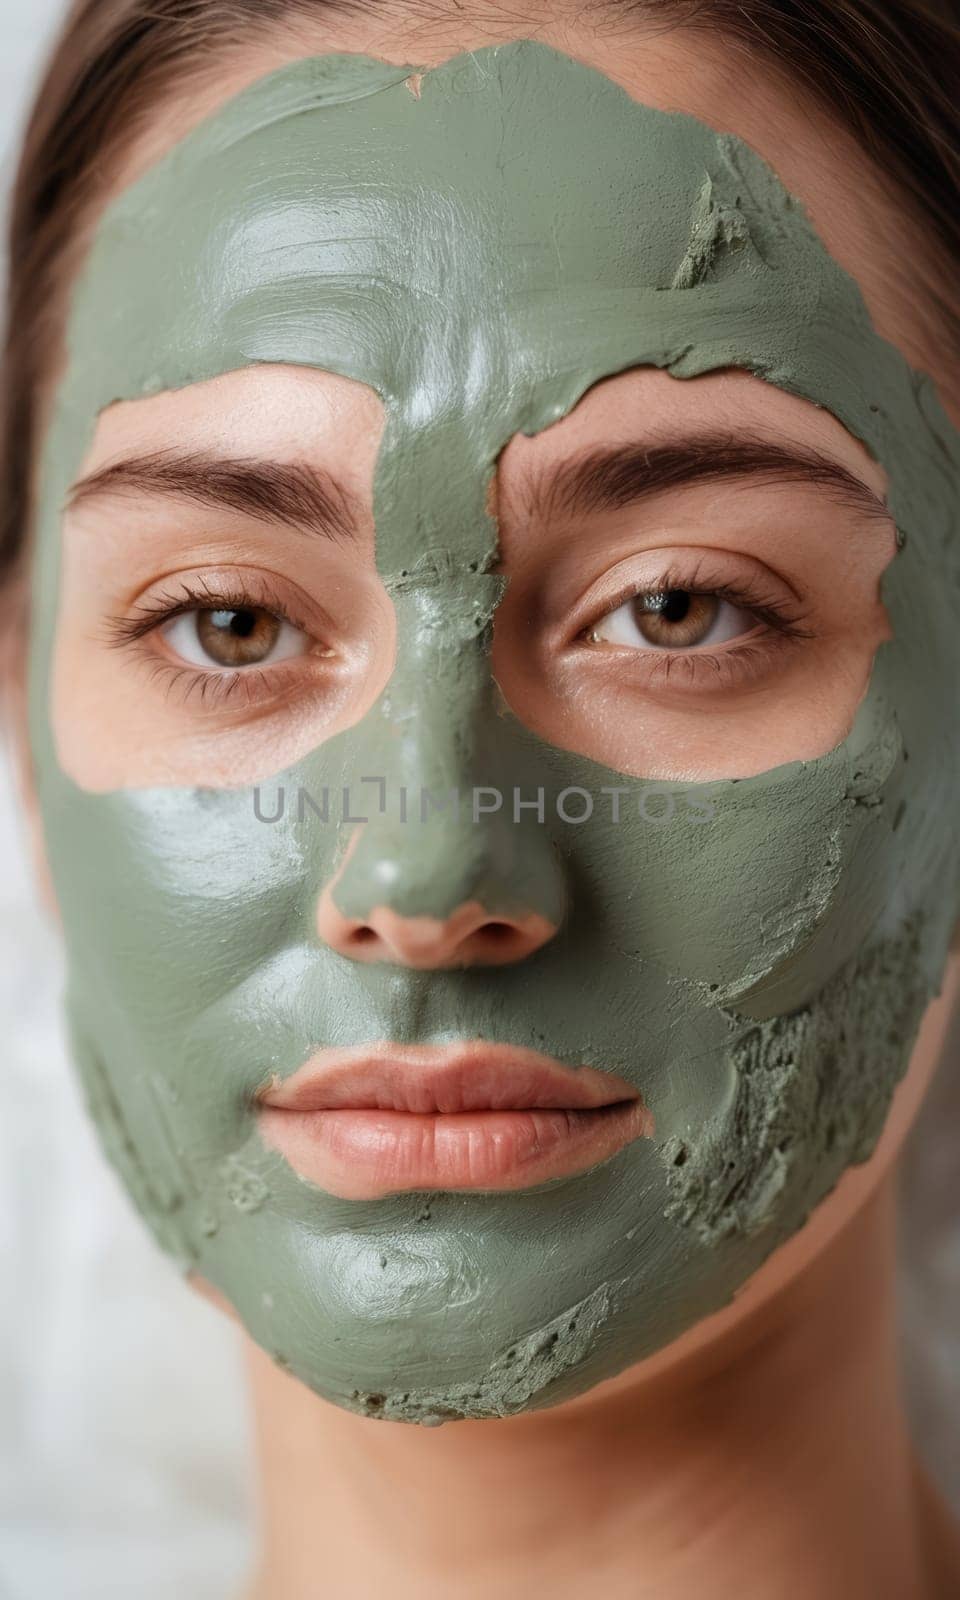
column 765, row 1453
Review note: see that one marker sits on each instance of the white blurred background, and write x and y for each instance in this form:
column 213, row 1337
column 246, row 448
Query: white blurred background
column 124, row 1431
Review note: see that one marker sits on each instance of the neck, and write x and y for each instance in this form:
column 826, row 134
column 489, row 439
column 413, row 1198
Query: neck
column 774, row 1460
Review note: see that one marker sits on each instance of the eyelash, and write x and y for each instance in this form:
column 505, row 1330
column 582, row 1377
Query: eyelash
column 250, row 684
column 781, row 617
column 164, row 607
column 213, row 688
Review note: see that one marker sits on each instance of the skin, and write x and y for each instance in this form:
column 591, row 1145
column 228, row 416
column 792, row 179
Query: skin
column 576, row 699
column 536, row 680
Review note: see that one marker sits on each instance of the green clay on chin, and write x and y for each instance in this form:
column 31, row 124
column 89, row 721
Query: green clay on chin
column 479, row 253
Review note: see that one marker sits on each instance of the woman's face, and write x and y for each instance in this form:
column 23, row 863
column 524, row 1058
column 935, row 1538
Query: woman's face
column 502, row 834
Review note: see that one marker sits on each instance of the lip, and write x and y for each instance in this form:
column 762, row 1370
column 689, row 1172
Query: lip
column 381, row 1119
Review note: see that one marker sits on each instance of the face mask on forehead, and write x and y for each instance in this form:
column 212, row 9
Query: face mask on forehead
column 480, row 245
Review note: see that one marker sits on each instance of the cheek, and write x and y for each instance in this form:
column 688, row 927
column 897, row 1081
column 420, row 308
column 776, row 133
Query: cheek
column 812, row 1095
column 756, row 891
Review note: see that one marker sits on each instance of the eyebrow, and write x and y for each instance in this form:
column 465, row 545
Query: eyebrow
column 609, row 478
column 605, row 478
column 293, row 494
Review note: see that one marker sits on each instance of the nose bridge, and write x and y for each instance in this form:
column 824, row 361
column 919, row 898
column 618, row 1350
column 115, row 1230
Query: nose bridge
column 440, row 698
column 439, row 832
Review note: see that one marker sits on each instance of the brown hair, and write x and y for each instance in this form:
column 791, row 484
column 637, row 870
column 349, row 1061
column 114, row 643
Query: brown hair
column 888, row 69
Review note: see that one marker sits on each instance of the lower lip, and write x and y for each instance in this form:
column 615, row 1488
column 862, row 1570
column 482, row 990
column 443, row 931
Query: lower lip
column 366, row 1154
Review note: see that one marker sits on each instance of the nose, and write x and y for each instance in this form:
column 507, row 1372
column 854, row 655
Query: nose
column 459, row 890
column 447, row 871
column 469, row 935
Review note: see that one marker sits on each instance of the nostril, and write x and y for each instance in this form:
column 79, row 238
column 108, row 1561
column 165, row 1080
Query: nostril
column 466, row 935
column 497, row 941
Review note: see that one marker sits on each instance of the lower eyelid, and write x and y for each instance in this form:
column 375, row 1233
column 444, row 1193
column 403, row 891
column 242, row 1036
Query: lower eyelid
column 761, row 628
column 705, row 665
column 242, row 687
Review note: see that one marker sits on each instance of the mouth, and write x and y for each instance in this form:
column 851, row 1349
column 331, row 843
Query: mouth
column 377, row 1120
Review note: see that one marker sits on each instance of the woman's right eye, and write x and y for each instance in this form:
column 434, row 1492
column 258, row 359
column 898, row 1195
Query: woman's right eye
column 233, row 637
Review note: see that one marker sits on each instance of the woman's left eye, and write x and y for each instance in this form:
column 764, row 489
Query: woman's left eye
column 671, row 619
column 233, row 636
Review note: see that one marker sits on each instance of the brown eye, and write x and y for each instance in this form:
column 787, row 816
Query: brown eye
column 233, row 636
column 671, row 619
column 237, row 638
column 675, row 616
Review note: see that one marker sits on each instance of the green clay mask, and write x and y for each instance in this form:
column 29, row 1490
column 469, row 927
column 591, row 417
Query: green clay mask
column 479, row 253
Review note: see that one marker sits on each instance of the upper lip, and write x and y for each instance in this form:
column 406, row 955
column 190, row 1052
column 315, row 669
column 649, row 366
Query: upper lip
column 471, row 1075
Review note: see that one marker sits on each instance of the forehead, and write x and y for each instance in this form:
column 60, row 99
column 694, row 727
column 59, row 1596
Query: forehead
column 478, row 243
column 407, row 229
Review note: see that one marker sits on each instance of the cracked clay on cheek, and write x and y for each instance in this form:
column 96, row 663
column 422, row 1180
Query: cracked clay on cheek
column 479, row 254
